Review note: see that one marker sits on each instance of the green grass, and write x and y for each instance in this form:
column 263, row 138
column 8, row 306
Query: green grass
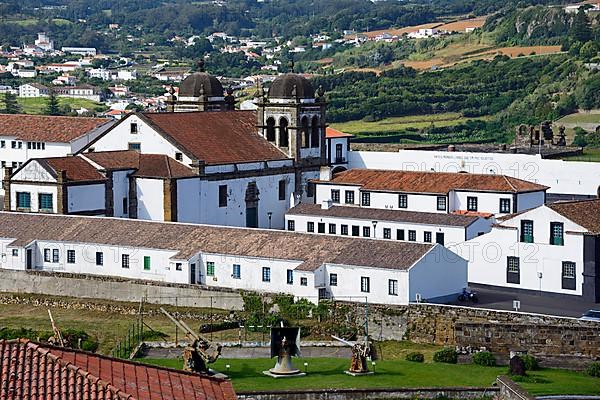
column 327, row 373
column 591, row 155
column 396, row 124
column 580, row 118
column 36, row 105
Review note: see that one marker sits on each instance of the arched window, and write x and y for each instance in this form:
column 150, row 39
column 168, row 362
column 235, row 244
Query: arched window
column 271, row 129
column 315, row 140
column 304, row 140
column 283, row 133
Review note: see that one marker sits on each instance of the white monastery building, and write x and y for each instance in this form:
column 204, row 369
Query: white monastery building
column 306, row 266
column 551, row 249
column 201, row 163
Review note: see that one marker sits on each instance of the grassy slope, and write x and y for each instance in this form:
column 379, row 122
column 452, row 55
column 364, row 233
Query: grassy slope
column 94, row 323
column 36, row 105
column 580, row 118
column 246, row 374
column 396, row 124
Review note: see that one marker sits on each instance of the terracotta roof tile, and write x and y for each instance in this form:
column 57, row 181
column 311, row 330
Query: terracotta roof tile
column 146, row 165
column 331, row 133
column 189, row 239
column 441, row 219
column 585, row 213
column 161, row 166
column 431, row 182
column 76, row 168
column 217, row 137
column 45, row 128
column 35, row 371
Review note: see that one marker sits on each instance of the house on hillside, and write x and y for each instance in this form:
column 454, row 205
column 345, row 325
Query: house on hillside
column 551, row 249
column 33, row 90
column 269, row 261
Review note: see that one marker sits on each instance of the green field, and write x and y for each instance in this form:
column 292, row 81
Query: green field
column 580, row 118
column 397, row 124
column 323, row 373
column 36, row 105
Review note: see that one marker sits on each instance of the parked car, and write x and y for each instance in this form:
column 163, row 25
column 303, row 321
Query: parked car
column 591, row 315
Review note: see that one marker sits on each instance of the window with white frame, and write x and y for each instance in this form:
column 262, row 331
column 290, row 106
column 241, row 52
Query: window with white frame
column 365, row 199
column 365, row 284
column 387, row 233
column 441, row 203
column 99, row 258
column 266, row 274
column 471, row 203
column 304, row 281
column 393, row 287
column 513, row 271
column 568, row 275
column 290, row 277
column 291, row 225
column 310, row 226
column 47, row 255
column 335, row 196
column 70, row 256
column 55, row 256
column 236, row 272
column 505, row 206
column 125, row 261
column 333, row 279
column 210, row 268
column 349, row 197
column 402, row 201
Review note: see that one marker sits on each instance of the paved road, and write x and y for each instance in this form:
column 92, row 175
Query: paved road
column 534, row 303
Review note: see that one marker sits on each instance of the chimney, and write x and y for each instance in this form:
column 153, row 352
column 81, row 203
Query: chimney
column 6, row 187
column 325, row 174
column 198, row 166
column 326, row 204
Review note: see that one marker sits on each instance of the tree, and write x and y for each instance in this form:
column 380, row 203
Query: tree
column 52, row 106
column 588, row 51
column 581, row 29
column 10, row 104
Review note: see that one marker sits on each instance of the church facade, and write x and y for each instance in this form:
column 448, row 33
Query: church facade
column 222, row 166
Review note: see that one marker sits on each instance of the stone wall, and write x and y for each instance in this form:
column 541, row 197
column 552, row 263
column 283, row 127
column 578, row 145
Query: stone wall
column 511, row 391
column 372, row 394
column 499, row 331
column 116, row 289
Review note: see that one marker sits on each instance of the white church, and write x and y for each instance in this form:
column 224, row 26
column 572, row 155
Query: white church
column 200, row 162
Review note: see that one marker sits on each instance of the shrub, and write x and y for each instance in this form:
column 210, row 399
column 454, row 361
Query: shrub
column 594, row 369
column 446, row 355
column 484, row 358
column 531, row 364
column 415, row 357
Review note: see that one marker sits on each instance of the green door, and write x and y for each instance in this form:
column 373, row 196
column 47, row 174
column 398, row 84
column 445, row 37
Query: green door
column 251, row 217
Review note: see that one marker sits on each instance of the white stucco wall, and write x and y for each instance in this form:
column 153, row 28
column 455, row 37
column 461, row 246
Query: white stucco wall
column 452, row 234
column 150, row 199
column 34, row 191
column 488, row 254
column 441, row 273
column 198, row 200
column 86, row 198
column 151, row 142
column 561, row 176
column 120, row 191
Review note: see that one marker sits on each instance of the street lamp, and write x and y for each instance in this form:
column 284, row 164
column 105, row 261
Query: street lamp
column 373, row 364
column 374, row 228
column 269, row 214
column 306, row 367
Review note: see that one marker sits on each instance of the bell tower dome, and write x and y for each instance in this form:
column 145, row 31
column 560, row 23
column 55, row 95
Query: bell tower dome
column 203, row 92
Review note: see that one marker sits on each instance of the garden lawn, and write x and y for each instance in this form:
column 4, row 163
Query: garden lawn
column 327, row 373
column 37, row 105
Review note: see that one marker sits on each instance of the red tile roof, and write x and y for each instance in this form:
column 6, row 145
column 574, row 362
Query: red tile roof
column 216, row 137
column 331, row 133
column 45, row 128
column 161, row 166
column 585, row 213
column 76, row 168
column 147, row 165
column 37, row 371
column 431, row 182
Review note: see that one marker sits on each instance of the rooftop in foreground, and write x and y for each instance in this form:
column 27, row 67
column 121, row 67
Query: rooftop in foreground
column 30, row 370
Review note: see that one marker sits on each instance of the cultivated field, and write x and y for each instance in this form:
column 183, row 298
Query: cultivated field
column 397, row 124
column 462, row 25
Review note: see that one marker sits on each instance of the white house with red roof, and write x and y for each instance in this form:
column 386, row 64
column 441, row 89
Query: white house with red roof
column 551, row 249
column 338, row 146
column 23, row 137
